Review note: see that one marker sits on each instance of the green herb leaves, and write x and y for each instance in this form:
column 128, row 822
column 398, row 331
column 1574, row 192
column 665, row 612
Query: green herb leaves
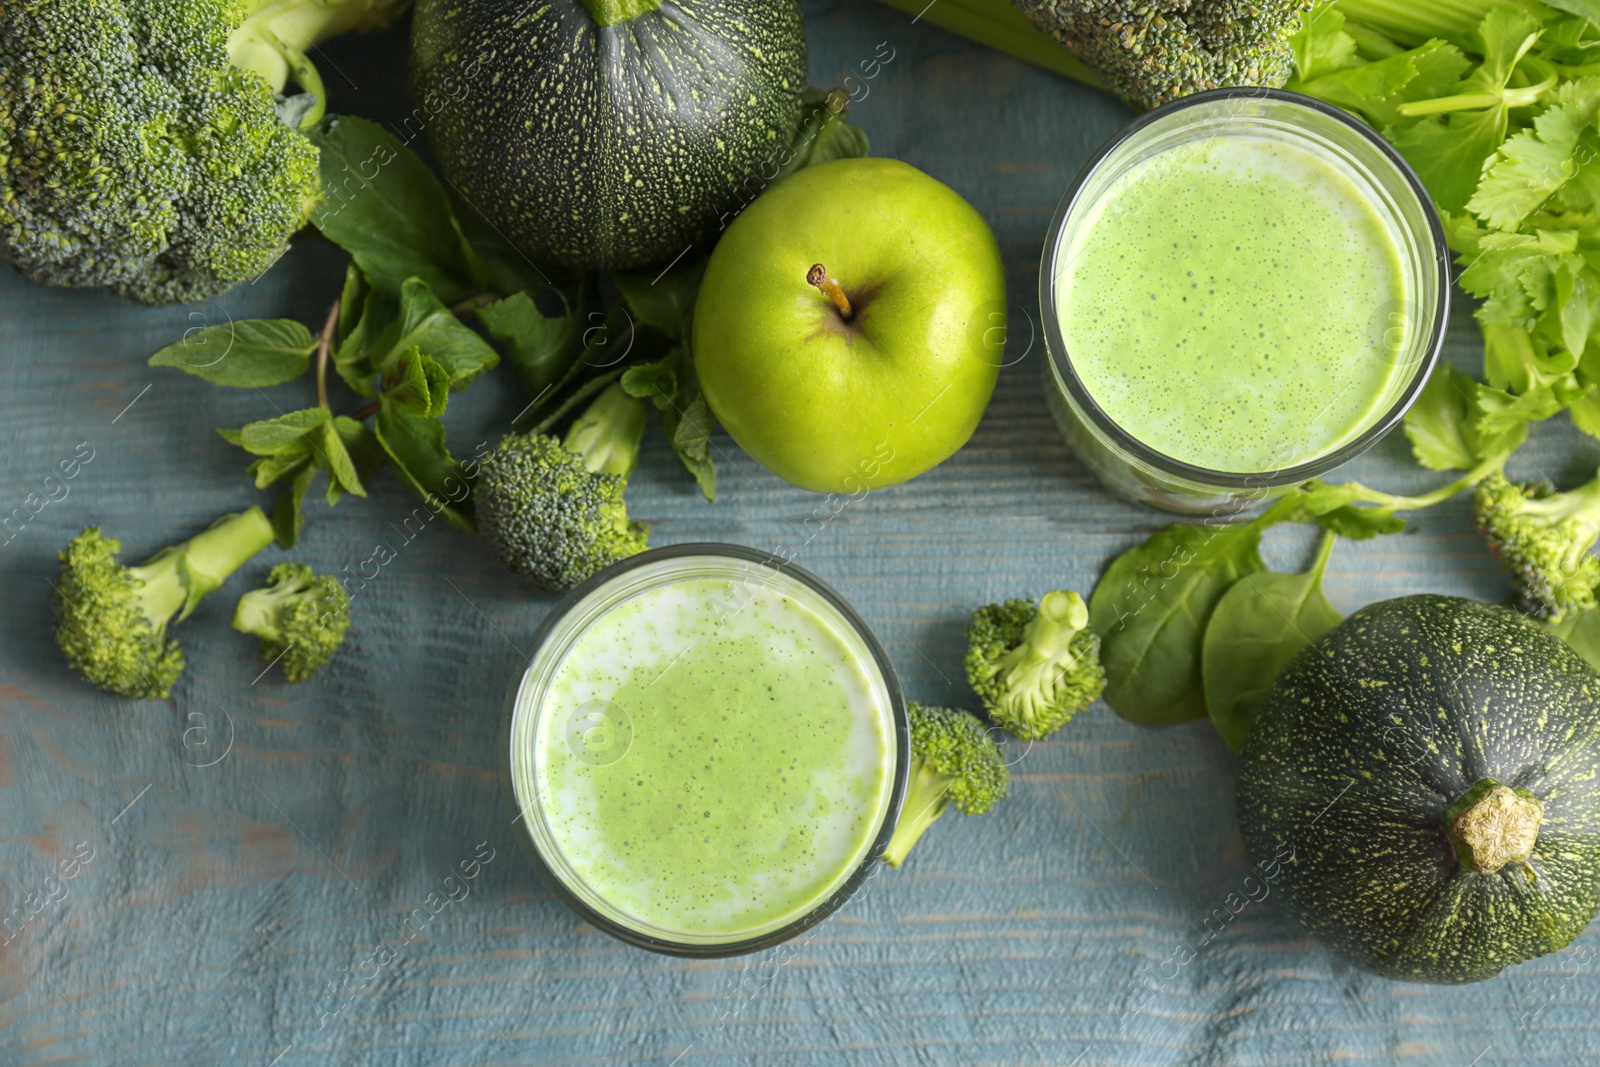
column 1504, row 137
column 426, row 272
column 251, row 353
column 383, row 205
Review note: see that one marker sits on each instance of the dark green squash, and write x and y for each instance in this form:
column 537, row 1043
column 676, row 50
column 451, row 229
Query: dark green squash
column 607, row 133
column 1433, row 766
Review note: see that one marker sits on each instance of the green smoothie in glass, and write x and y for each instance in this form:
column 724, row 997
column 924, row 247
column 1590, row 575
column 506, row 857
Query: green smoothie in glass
column 1243, row 290
column 1220, row 304
column 713, row 757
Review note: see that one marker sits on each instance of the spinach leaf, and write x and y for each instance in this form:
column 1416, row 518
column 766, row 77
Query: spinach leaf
column 1258, row 626
column 250, row 353
column 1151, row 610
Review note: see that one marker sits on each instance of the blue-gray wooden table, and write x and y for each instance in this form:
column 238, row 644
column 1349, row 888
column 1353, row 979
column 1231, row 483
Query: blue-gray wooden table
column 242, row 851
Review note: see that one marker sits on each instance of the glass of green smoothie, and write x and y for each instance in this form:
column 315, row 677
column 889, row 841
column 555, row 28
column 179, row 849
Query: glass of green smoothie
column 708, row 750
column 1242, row 290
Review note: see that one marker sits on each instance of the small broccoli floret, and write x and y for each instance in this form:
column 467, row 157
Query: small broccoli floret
column 1034, row 667
column 953, row 761
column 1151, row 52
column 300, row 617
column 554, row 510
column 142, row 148
column 111, row 620
column 1543, row 538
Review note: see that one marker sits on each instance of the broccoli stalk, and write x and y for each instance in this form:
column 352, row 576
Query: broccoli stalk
column 275, row 35
column 301, row 618
column 554, row 510
column 1543, row 538
column 111, row 620
column 1034, row 667
column 953, row 761
column 145, row 147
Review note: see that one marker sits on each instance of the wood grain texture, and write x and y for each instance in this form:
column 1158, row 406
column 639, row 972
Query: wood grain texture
column 223, row 902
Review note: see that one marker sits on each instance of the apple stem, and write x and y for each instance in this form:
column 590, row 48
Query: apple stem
column 818, row 276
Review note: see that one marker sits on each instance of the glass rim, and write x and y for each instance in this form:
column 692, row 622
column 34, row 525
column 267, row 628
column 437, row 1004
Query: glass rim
column 1060, row 360
column 901, row 746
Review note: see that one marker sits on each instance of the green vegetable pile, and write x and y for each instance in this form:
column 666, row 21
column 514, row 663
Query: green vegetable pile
column 432, row 300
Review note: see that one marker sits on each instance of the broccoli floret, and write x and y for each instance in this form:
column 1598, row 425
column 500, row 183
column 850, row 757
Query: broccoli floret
column 300, row 617
column 1543, row 538
column 554, row 510
column 1151, row 52
column 134, row 155
column 1034, row 667
column 953, row 761
column 111, row 620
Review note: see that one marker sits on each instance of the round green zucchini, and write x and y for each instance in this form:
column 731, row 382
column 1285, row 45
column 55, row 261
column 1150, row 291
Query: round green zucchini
column 1432, row 765
column 607, row 133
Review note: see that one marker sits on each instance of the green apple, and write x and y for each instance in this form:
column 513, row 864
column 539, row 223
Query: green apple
column 850, row 326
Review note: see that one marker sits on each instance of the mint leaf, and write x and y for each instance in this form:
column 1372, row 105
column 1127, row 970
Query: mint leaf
column 685, row 415
column 666, row 298
column 691, row 439
column 352, row 298
column 415, row 445
column 288, row 518
column 421, row 386
column 280, row 436
column 383, row 205
column 269, row 469
column 425, row 323
column 250, row 353
column 342, row 476
column 540, row 347
column 823, row 133
column 354, row 358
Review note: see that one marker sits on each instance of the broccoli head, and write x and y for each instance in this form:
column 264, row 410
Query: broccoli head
column 953, row 761
column 111, row 620
column 1151, row 52
column 553, row 510
column 300, row 617
column 1034, row 666
column 136, row 156
column 1543, row 538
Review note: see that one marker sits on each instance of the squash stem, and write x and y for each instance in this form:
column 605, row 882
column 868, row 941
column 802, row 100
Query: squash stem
column 818, row 276
column 1492, row 825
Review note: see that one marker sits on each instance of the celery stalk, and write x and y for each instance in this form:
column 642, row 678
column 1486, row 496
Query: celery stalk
column 1411, row 22
column 999, row 25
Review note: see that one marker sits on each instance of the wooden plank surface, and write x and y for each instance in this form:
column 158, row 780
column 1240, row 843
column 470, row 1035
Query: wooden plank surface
column 251, row 844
